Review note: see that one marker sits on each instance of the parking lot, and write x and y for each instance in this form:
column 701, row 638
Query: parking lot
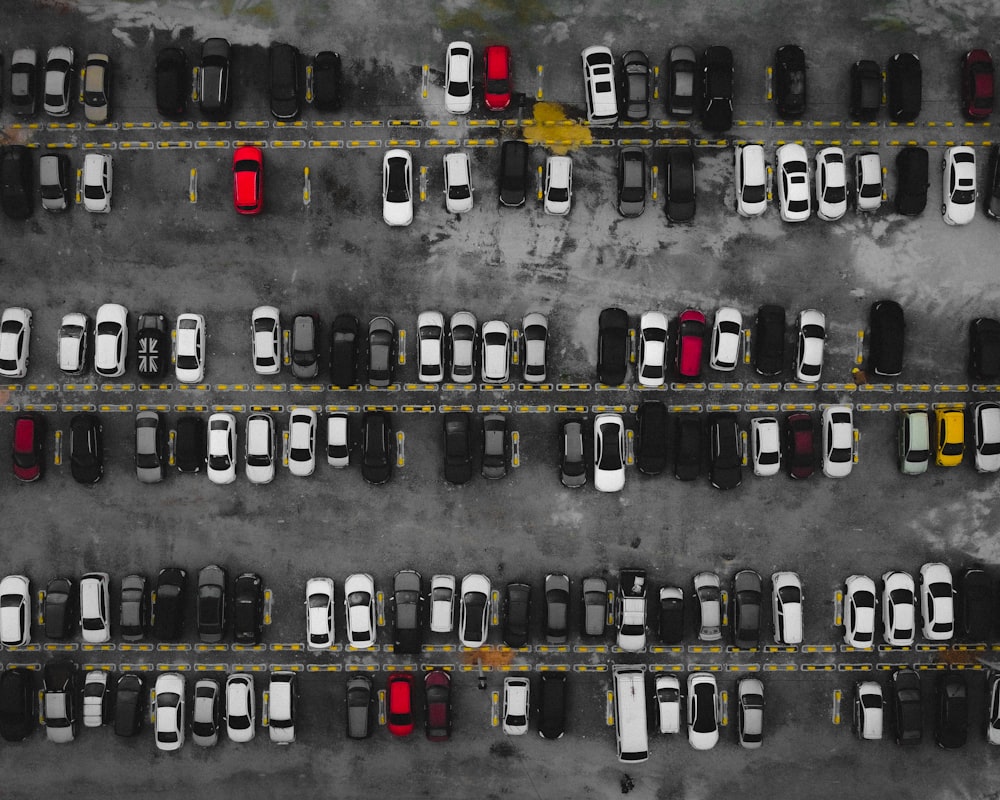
column 173, row 243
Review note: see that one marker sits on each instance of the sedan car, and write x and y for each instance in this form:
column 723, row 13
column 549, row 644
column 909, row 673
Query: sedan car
column 609, row 453
column 516, row 705
column 221, row 448
column 18, row 713
column 914, row 442
column 718, row 78
column 59, row 609
column 301, row 442
column 984, row 349
column 634, row 73
column 790, row 81
column 899, row 609
column 457, row 183
column 514, row 160
column 747, row 608
column 437, row 705
column 831, row 184
column 907, row 706
column 977, row 84
column 241, row 714
column 992, row 709
column 594, row 593
column 95, row 607
column 868, row 186
column 248, row 179
column 474, row 610
column 612, row 346
column 690, row 342
column 430, row 347
column 110, row 340
column 958, row 173
column 991, row 197
column 887, row 330
column 496, row 446
column 212, row 603
column 168, row 711
column 680, row 189
column 381, row 352
column 652, row 349
column 206, row 714
column 399, row 703
column 651, row 428
column 750, row 180
column 407, row 607
column 53, row 181
column 949, row 424
column 986, row 434
column 937, row 602
column 16, row 182
column 670, row 624
column 558, row 191
column 859, row 611
column 496, row 77
column 912, row 183
column 457, row 447
column 533, row 344
column 344, row 340
column 265, row 330
column 95, row 699
column 750, row 699
column 319, row 614
column 86, row 448
column 458, row 78
column 708, row 597
column 58, row 77
column 283, row 81
column 688, row 446
column 572, row 463
column 28, row 446
column 975, row 604
column 338, row 446
column 496, row 351
column 809, row 352
column 794, row 197
column 214, row 78
column 769, row 340
column 376, row 434
column 556, row 608
column 462, row 342
column 172, row 78
column 725, row 451
column 15, row 611
column 397, row 187
column 765, row 446
column 97, row 183
column 190, row 348
column 248, row 608
column 599, row 85
column 787, row 599
column 682, row 66
column 24, row 82
column 168, row 604
column 133, row 610
column 359, row 606
column 727, row 340
column 517, row 614
column 702, row 710
column 97, row 89
column 951, row 723
column 260, row 456
column 632, row 181
column 838, row 441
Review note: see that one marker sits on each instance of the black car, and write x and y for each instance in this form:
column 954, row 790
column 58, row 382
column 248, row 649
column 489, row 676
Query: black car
column 212, row 581
column 984, row 349
column 632, row 181
column 283, row 83
column 168, row 604
column 496, row 446
column 61, row 701
column 790, row 81
column 651, row 455
column 975, row 605
column 991, row 189
column 59, row 609
column 680, row 184
column 457, row 447
column 572, row 461
column 24, row 82
column 687, row 447
column 86, row 448
column 887, row 330
column 376, row 431
column 682, row 65
column 726, row 451
column 746, row 618
column 717, row 89
column 866, row 90
column 248, row 608
column 612, row 346
column 911, row 181
column 552, row 705
column 904, row 85
column 769, row 340
column 190, row 446
column 407, row 605
column 133, row 612
column 214, row 74
column 16, row 182
column 634, row 73
column 671, row 616
column 907, row 706
column 130, row 705
column 513, row 173
column 152, row 345
column 327, row 74
column 516, row 614
column 951, row 723
column 17, row 704
column 344, row 334
column 173, row 82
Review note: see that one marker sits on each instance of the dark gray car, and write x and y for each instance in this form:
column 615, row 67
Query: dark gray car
column 573, row 467
column 214, row 77
column 495, row 455
column 407, row 602
column 359, row 702
column 150, row 438
column 305, row 348
column 746, row 615
column 381, row 351
column 133, row 612
column 556, row 608
column 53, row 181
column 595, row 606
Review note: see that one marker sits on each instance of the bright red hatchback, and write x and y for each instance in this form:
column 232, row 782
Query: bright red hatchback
column 690, row 342
column 497, row 72
column 977, row 84
column 400, row 703
column 29, row 434
column 248, row 180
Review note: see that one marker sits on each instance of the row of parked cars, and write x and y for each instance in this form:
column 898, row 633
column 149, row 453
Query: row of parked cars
column 56, row 182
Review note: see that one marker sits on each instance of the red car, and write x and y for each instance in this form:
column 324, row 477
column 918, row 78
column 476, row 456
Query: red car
column 690, row 341
column 497, row 72
column 799, row 453
column 29, row 436
column 977, row 84
column 248, row 180
column 437, row 705
column 400, row 703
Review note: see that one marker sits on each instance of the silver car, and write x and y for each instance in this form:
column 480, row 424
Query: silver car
column 534, row 338
column 149, row 447
column 381, row 351
column 205, row 716
column 463, row 336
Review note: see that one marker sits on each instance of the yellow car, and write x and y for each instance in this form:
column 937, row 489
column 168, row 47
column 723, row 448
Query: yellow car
column 950, row 423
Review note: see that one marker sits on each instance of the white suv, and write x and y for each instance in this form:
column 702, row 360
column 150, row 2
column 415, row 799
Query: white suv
column 599, row 84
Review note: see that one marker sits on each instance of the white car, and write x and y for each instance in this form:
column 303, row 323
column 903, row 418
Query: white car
column 750, row 700
column 750, row 179
column 281, row 698
column 868, row 710
column 599, row 85
column 430, row 347
column 320, row 630
column 727, row 339
column 765, row 446
column 558, row 185
column 397, row 188
column 359, row 605
column 534, row 342
column 703, row 710
column 457, row 183
column 338, row 448
column 302, row 442
column 458, row 78
column 859, row 611
column 97, row 183
column 72, row 343
column 15, row 342
column 260, row 449
column 831, row 184
column 442, row 600
column 958, row 171
column 794, row 197
column 786, row 595
column 58, row 75
column 95, row 697
column 668, row 703
column 652, row 348
column 937, row 602
column 867, row 181
column 496, row 351
column 222, row 448
column 463, row 335
column 516, row 705
column 986, row 434
column 899, row 609
column 838, row 441
column 168, row 710
column 190, row 363
column 15, row 611
column 265, row 328
column 240, row 707
column 95, row 607
column 993, row 710
column 474, row 610
column 809, row 353
column 110, row 340
column 609, row 453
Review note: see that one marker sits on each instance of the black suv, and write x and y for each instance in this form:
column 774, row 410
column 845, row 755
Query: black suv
column 173, row 82
column 326, row 81
column 214, row 74
column 651, row 455
column 376, row 431
column 612, row 346
column 984, row 349
column 513, row 173
column 168, row 605
column 769, row 340
column 130, row 703
column 457, row 447
column 911, row 181
column 283, row 72
column 190, row 447
column 866, row 90
column 726, row 451
column 907, row 704
column 17, row 703
column 86, row 448
column 248, row 608
column 904, row 83
column 16, row 182
column 717, row 89
column 790, row 80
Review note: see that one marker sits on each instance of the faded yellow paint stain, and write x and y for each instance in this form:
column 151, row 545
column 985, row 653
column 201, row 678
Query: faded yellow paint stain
column 492, row 658
column 551, row 126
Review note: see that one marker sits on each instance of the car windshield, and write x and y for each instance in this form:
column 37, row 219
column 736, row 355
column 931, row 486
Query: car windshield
column 397, row 190
column 610, row 455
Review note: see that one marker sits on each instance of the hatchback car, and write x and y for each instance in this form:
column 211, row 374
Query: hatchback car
column 951, row 723
column 282, row 699
column 221, row 451
column 794, row 197
column 599, row 85
column 437, row 705
column 212, row 603
column 787, row 599
column 54, row 181
column 859, row 611
column 399, row 703
column 558, row 191
column 809, row 352
column 750, row 180
column 725, row 451
column 652, row 349
column 172, row 78
column 376, row 433
column 708, row 599
column 680, row 205
column 727, row 340
column 866, row 90
column 517, row 614
column 241, row 714
column 717, row 89
column 869, row 710
column 327, row 79
column 831, row 184
column 496, row 350
column 747, row 608
column 206, row 715
column 359, row 607
column 667, row 689
column 838, row 441
column 305, row 346
column 868, row 187
column 612, row 346
column 265, row 332
column 790, row 81
column 457, row 183
column 634, row 73
column 458, row 78
column 338, row 446
column 958, row 172
column 516, row 705
column 150, row 446
column 214, row 78
column 632, row 181
column 97, row 183
column 556, row 608
column 690, row 342
column 15, row 611
column 887, row 330
column 937, row 602
column 169, row 706
column 381, row 352
column 301, row 442
column 496, row 77
column 248, row 179
column 457, row 447
column 430, row 347
column 904, row 83
column 283, row 81
column 572, row 462
column 609, row 453
column 899, row 609
column 496, row 446
column 86, row 448
column 58, row 77
column 397, row 188
column 442, row 603
column 73, row 343
column 474, row 610
column 514, row 159
column 28, row 446
column 24, row 82
column 682, row 67
column 912, row 180
column 97, row 89
column 914, row 442
column 702, row 710
column 949, row 424
column 977, row 84
column 320, row 630
column 765, row 445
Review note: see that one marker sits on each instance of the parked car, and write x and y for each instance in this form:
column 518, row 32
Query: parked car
column 651, row 425
column 29, row 446
column 212, row 606
column 887, row 330
column 97, row 89
column 248, row 609
column 437, row 705
column 682, row 67
column 558, row 191
column 702, row 710
column 86, row 448
column 787, row 598
column 688, row 446
column 320, row 626
column 652, row 349
column 168, row 604
column 708, row 600
column 911, row 180
column 16, row 182
column 496, row 351
column 302, row 442
column 359, row 704
column 96, row 699
column 991, row 197
column 283, row 81
column 457, row 447
column 150, row 447
column 667, row 689
column 727, row 339
column 750, row 697
column 951, row 723
column 172, row 79
column 344, row 338
column 794, row 197
column 474, row 610
column 533, row 344
column 206, row 715
column 572, row 461
column 949, row 424
column 975, row 604
column 517, row 614
column 838, row 441
column 868, row 188
column 463, row 346
column 690, row 343
column 399, row 703
column 95, row 608
column 552, row 705
column 59, row 609
column 111, row 340
column 59, row 682
column 986, row 435
column 169, row 706
column 594, row 592
column 680, row 204
column 248, row 180
column 496, row 446
column 992, row 709
column 765, row 446
column 958, row 173
column 376, row 433
column 457, row 183
column 859, row 611
column 914, row 442
column 630, row 610
column 907, row 705
column 496, row 77
column 516, row 705
column 599, row 85
column 133, row 610
column 190, row 348
column 221, row 454
column 609, row 453
column 977, row 84
column 809, row 353
column 17, row 703
column 190, row 446
column 725, row 450
column 831, row 184
column 747, row 609
column 241, row 714
column 214, row 78
column 671, row 617
column 305, row 346
column 769, row 340
column 260, row 454
column 790, row 81
column 458, row 78
column 899, row 608
column 513, row 181
column 326, row 81
column 984, row 349
column 15, row 342
column 612, row 346
column 97, row 183
column 282, row 699
column 58, row 77
column 442, row 602
column 407, row 606
column 866, row 90
column 397, row 187
column 152, row 346
column 750, row 180
column 903, row 87
column 359, row 606
column 869, row 710
column 937, row 602
column 632, row 181
column 381, row 352
column 430, row 347
column 556, row 608
column 634, row 73
column 717, row 89
column 24, row 82
column 338, row 446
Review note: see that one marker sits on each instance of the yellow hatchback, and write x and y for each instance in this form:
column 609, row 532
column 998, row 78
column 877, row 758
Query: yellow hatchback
column 950, row 423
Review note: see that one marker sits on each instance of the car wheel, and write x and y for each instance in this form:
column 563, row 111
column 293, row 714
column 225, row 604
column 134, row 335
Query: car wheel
column 944, row 210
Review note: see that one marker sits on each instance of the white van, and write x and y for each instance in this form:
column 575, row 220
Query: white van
column 631, row 734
